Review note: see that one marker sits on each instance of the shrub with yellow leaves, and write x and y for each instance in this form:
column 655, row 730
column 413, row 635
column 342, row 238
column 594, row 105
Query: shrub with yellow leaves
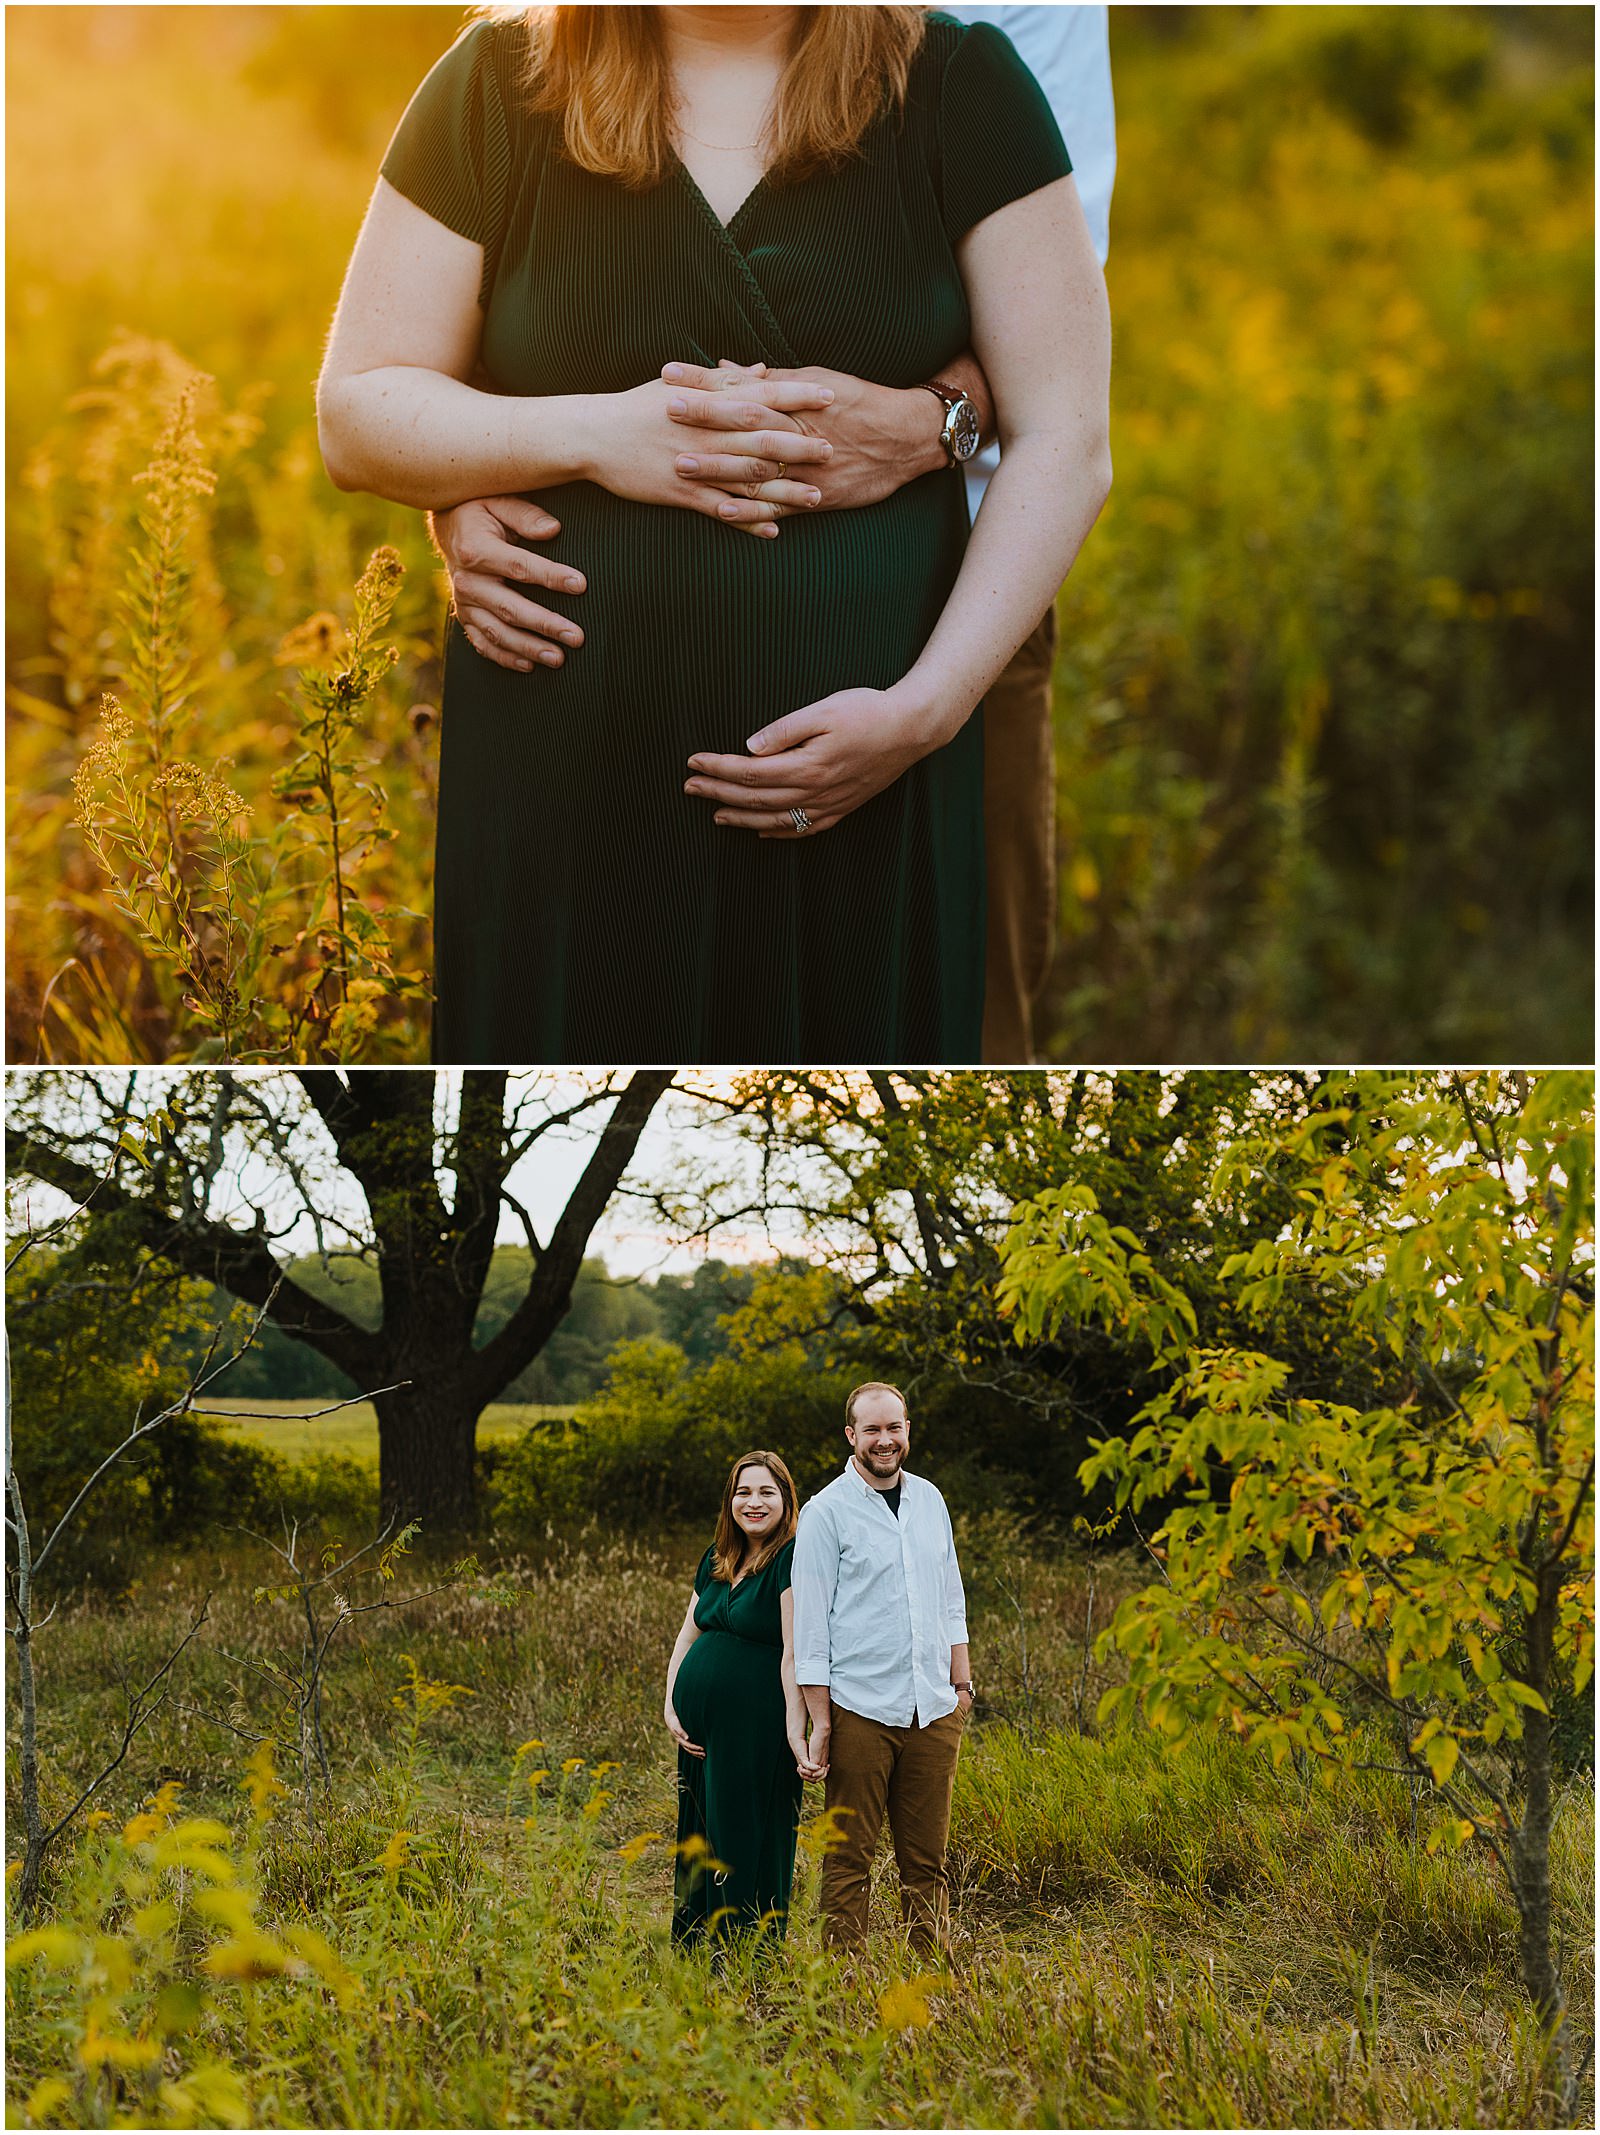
column 137, row 1979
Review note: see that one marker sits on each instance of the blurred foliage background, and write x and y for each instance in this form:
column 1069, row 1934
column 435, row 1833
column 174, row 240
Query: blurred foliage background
column 1326, row 686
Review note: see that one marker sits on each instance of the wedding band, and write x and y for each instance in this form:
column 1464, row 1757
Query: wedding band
column 800, row 820
column 783, row 469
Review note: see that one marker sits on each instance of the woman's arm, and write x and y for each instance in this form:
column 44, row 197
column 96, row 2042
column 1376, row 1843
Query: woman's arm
column 688, row 1632
column 1041, row 331
column 794, row 1705
column 396, row 416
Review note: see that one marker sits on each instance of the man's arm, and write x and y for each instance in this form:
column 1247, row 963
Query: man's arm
column 882, row 437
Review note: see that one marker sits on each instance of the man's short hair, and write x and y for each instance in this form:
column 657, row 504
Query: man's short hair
column 871, row 1386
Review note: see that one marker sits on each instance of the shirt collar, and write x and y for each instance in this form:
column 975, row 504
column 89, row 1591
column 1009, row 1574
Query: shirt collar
column 861, row 1483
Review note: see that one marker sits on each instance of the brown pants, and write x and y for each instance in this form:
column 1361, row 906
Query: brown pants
column 1019, row 827
column 911, row 1772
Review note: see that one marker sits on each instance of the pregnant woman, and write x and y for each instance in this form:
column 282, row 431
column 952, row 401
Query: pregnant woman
column 741, row 820
column 737, row 1716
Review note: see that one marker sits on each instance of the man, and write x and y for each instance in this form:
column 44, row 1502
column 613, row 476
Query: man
column 880, row 1645
column 882, row 438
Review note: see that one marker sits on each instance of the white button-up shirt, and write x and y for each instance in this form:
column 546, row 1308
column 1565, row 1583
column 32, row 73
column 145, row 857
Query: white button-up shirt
column 878, row 1601
column 1067, row 50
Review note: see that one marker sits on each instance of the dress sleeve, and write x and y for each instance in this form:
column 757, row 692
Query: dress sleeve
column 702, row 1578
column 998, row 138
column 783, row 1568
column 451, row 153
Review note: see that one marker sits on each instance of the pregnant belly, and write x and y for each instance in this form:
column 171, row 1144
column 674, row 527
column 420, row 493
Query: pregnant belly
column 705, row 632
column 728, row 1686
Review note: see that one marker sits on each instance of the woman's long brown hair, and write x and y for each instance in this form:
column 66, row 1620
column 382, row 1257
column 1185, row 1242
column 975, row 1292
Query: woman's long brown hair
column 731, row 1542
column 602, row 70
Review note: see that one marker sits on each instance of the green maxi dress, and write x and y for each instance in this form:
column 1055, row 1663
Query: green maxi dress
column 586, row 908
column 743, row 1797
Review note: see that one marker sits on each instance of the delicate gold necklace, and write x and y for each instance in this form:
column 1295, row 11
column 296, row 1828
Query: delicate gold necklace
column 727, row 148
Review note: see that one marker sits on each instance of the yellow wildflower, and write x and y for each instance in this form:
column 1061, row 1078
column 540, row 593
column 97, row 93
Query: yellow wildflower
column 47, row 2098
column 54, row 1944
column 904, row 2005
column 313, row 642
column 248, row 1957
column 98, row 2047
column 261, row 1782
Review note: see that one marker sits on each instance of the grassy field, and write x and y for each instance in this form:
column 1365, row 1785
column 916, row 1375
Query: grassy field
column 282, row 1426
column 470, row 1928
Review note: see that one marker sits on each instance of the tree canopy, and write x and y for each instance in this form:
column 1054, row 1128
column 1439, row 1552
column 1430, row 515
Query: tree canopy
column 211, row 1172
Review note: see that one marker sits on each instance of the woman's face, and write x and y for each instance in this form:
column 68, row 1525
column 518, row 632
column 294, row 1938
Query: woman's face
column 757, row 1501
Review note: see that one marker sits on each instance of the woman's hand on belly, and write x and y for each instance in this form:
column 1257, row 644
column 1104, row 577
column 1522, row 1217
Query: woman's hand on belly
column 675, row 1729
column 824, row 760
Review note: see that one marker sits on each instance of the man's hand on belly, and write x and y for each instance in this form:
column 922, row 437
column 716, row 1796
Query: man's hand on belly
column 882, row 436
column 487, row 572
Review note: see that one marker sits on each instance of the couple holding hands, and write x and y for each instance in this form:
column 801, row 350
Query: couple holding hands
column 825, row 1644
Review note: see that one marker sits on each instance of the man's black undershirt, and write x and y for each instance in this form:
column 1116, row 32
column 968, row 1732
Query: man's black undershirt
column 892, row 1499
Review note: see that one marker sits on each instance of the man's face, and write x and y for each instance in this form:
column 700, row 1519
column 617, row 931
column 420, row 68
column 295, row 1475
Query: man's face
column 880, row 1436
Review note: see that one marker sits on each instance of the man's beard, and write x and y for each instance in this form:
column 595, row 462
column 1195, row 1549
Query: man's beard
column 882, row 1463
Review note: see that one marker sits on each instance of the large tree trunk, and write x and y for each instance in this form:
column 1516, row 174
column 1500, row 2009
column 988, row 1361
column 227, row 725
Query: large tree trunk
column 427, row 1454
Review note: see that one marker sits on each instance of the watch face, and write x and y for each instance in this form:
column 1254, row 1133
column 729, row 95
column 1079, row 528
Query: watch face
column 962, row 430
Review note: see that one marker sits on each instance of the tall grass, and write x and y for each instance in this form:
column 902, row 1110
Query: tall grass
column 477, row 1934
column 1327, row 658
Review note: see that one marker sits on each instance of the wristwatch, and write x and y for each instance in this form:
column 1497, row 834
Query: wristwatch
column 969, row 1688
column 959, row 436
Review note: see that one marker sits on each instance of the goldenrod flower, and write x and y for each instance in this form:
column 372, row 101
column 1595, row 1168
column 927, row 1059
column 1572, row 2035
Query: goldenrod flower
column 904, row 2006
column 261, row 1781
column 98, row 2047
column 249, row 1957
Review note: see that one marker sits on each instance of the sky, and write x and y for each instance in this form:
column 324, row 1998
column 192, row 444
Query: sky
column 629, row 1237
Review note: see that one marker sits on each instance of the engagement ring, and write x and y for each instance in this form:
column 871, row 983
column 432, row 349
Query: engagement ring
column 800, row 820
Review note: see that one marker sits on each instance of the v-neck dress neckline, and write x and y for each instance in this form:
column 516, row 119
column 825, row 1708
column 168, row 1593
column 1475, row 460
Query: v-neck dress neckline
column 726, row 234
column 726, row 229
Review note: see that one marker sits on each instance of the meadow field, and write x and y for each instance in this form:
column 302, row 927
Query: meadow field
column 1325, row 688
column 467, row 1925
column 351, row 1432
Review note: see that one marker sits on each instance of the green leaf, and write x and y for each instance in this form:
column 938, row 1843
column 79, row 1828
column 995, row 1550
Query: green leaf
column 1442, row 1754
column 1525, row 1694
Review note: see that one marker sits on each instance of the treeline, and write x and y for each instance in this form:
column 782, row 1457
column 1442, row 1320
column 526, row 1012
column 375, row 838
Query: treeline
column 685, row 1310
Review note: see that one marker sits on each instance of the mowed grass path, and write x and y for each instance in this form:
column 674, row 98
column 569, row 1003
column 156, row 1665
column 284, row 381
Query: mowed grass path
column 285, row 1427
